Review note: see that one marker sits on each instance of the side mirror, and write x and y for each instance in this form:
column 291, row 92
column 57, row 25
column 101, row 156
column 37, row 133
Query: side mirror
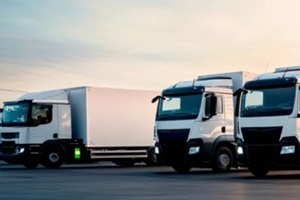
column 210, row 107
column 156, row 98
column 239, row 91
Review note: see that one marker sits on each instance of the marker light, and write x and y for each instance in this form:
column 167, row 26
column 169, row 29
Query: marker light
column 194, row 150
column 240, row 150
column 288, row 149
column 77, row 154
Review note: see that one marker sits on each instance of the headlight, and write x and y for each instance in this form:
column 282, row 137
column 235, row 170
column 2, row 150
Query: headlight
column 194, row 150
column 240, row 150
column 156, row 150
column 288, row 149
column 21, row 150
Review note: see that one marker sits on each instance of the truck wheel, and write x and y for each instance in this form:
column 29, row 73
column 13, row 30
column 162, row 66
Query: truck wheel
column 124, row 163
column 259, row 170
column 151, row 160
column 30, row 164
column 181, row 168
column 53, row 158
column 223, row 160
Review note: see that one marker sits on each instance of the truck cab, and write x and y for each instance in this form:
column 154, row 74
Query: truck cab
column 268, row 114
column 28, row 126
column 194, row 125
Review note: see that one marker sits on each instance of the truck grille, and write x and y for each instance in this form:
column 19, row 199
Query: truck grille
column 261, row 135
column 8, row 147
column 14, row 135
column 178, row 136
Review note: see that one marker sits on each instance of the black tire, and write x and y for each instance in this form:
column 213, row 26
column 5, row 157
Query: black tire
column 124, row 163
column 182, row 168
column 31, row 164
column 259, row 170
column 223, row 159
column 53, row 158
column 151, row 160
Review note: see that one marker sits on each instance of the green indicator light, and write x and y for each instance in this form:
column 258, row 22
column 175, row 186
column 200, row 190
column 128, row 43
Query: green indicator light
column 77, row 153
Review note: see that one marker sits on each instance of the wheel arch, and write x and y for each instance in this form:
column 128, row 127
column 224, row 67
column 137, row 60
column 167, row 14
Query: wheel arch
column 222, row 141
column 49, row 144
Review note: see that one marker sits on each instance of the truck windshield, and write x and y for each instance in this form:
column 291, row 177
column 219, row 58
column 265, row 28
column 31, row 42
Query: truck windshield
column 179, row 107
column 15, row 114
column 268, row 102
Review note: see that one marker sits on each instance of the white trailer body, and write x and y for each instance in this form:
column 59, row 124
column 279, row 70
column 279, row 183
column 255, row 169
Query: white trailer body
column 195, row 122
column 105, row 117
column 79, row 124
column 269, row 124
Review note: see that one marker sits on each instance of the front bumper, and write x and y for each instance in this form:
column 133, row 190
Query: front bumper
column 13, row 153
column 172, row 153
column 269, row 154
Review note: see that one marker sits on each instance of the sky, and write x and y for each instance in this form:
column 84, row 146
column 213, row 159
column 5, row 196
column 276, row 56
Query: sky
column 140, row 44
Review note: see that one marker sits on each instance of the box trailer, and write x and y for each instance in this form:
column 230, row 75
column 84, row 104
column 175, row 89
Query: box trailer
column 82, row 124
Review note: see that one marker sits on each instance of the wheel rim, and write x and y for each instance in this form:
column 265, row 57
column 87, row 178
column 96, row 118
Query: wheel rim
column 53, row 157
column 224, row 160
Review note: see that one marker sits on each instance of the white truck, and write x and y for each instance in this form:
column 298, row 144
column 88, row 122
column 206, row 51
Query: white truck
column 268, row 111
column 195, row 122
column 78, row 125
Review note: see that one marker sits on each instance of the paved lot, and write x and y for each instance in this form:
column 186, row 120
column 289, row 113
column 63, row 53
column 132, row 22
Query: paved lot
column 107, row 181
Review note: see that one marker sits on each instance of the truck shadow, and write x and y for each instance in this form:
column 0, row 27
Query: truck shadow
column 271, row 176
column 74, row 166
column 202, row 171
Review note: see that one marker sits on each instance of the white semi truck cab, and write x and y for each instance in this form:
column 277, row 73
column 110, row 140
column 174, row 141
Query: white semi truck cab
column 36, row 131
column 268, row 112
column 195, row 122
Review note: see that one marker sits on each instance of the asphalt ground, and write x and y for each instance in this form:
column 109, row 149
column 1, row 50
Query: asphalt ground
column 140, row 182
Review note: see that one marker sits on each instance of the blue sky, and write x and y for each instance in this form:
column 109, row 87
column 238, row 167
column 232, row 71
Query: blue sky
column 140, row 44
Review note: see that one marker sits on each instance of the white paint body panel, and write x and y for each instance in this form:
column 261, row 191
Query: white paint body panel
column 105, row 117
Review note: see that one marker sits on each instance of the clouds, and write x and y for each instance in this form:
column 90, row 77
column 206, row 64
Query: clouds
column 141, row 44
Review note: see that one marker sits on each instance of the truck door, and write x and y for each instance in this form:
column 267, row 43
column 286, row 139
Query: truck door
column 213, row 117
column 44, row 119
